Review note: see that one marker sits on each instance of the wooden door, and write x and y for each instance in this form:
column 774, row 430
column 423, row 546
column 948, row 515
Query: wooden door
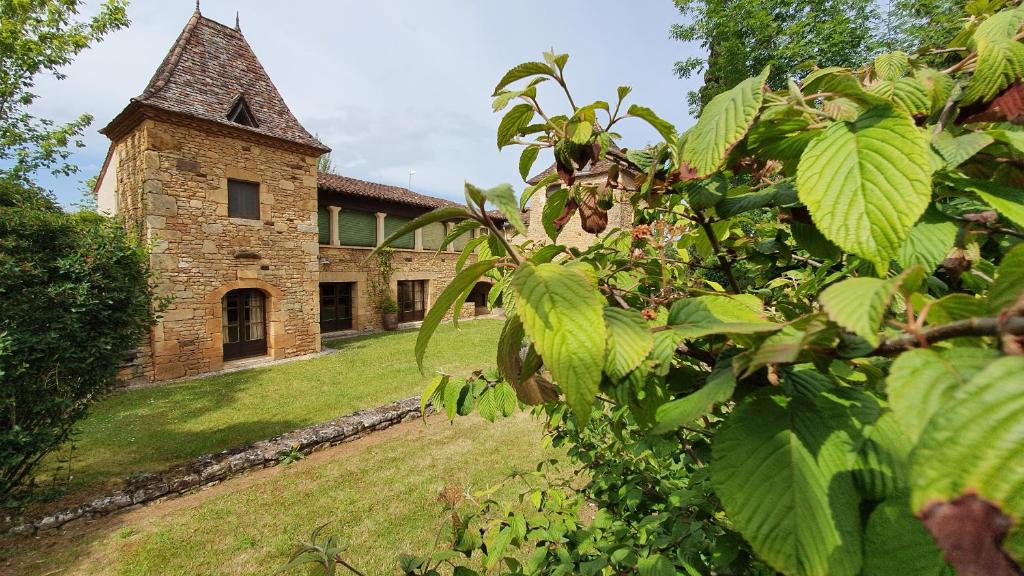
column 335, row 306
column 245, row 325
column 412, row 300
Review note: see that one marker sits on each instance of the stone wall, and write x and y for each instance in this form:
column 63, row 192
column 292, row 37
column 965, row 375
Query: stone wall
column 213, row 468
column 573, row 235
column 172, row 184
column 348, row 264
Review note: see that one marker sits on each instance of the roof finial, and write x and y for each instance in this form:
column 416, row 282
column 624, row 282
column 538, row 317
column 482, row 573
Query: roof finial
column 197, row 6
column 238, row 26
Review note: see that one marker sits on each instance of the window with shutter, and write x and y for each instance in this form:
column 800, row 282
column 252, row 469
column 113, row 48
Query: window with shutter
column 323, row 224
column 392, row 224
column 433, row 236
column 357, row 228
column 243, row 200
column 460, row 242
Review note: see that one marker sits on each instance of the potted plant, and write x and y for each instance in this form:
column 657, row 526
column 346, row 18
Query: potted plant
column 389, row 312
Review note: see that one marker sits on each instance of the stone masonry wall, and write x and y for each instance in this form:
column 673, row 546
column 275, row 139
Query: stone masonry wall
column 573, row 235
column 346, row 264
column 173, row 181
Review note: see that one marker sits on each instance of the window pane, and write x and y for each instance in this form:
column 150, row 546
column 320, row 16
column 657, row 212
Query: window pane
column 243, row 200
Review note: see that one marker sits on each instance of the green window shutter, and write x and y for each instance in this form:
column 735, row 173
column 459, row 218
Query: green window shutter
column 357, row 228
column 323, row 224
column 392, row 224
column 461, row 241
column 433, row 235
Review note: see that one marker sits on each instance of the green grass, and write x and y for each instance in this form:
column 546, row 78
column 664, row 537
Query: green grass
column 380, row 498
column 151, row 429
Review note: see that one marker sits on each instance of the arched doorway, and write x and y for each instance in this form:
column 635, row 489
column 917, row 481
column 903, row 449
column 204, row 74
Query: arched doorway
column 244, row 323
column 478, row 296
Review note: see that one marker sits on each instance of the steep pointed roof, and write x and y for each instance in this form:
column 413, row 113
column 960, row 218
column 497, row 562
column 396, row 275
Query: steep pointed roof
column 207, row 71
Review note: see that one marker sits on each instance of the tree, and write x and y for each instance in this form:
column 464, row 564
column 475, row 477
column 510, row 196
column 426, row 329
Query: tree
column 795, row 37
column 75, row 287
column 807, row 355
column 41, row 37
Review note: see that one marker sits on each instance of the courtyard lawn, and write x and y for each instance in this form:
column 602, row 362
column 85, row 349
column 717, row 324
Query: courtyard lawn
column 378, row 493
column 151, row 429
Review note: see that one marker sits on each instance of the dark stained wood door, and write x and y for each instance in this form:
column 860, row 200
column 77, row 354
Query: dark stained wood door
column 245, row 324
column 412, row 300
column 335, row 306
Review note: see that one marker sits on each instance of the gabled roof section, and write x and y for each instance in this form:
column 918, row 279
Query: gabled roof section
column 204, row 74
column 375, row 191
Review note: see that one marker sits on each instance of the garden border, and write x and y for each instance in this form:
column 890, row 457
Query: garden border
column 210, row 469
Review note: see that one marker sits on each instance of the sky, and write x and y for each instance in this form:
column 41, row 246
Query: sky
column 394, row 86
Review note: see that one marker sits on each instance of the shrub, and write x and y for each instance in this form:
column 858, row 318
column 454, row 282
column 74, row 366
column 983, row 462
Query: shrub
column 75, row 298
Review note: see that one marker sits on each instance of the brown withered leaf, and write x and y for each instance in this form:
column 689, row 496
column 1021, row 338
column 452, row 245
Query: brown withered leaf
column 565, row 173
column 1008, row 106
column 593, row 219
column 535, row 390
column 570, row 209
column 686, row 172
column 970, row 531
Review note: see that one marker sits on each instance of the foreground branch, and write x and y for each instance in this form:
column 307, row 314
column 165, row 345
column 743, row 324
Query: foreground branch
column 959, row 329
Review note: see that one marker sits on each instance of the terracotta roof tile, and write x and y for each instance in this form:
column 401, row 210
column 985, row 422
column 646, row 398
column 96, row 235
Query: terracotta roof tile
column 375, row 191
column 207, row 69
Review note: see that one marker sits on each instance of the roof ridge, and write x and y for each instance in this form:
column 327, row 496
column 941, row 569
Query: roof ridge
column 170, row 62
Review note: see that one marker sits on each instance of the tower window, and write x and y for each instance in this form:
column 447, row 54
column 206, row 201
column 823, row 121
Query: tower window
column 243, row 200
column 241, row 113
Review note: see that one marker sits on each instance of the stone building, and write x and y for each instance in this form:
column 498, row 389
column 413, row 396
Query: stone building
column 573, row 235
column 257, row 253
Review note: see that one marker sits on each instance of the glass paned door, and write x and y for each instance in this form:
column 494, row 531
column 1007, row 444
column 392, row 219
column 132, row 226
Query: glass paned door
column 412, row 300
column 244, row 324
column 335, row 306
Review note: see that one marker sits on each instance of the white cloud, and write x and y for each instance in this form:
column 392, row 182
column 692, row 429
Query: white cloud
column 393, row 85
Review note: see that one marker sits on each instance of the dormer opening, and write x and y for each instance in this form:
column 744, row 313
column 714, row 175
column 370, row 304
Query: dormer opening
column 241, row 113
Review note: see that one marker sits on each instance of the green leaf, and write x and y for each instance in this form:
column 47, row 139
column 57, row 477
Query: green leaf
column 437, row 215
column 883, row 460
column 623, row 91
column 1007, row 200
column 740, row 314
column 858, row 304
column 867, row 182
column 435, row 387
column 956, row 150
column 921, row 381
column 517, row 118
column 510, row 343
column 580, row 131
column 664, row 127
column 562, row 313
column 553, row 208
column 895, row 542
column 521, row 71
column 929, row 241
column 1013, row 139
column 505, row 399
column 462, row 282
column 486, row 406
column 973, row 445
column 1009, row 282
column 719, row 388
column 813, row 242
column 629, row 341
column 953, row 307
column 724, row 122
column 503, row 197
column 468, row 250
column 781, row 194
column 781, row 467
column 655, row 565
column 892, row 65
column 1000, row 58
column 526, row 160
column 464, row 227
column 452, row 392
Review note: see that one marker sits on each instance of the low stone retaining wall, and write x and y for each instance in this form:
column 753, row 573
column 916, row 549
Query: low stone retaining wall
column 212, row 468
